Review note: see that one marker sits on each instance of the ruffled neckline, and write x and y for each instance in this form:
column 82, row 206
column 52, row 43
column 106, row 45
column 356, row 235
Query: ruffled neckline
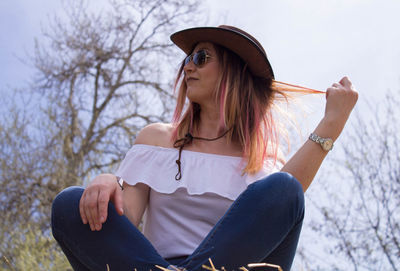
column 201, row 172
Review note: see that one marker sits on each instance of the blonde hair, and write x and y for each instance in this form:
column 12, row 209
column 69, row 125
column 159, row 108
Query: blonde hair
column 245, row 103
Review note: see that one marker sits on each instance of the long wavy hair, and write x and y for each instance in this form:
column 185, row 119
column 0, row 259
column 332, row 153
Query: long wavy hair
column 245, row 103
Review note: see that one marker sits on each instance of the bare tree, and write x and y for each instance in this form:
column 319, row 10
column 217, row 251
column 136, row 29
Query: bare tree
column 100, row 77
column 360, row 215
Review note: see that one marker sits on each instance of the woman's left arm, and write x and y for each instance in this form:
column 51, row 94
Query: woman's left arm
column 340, row 101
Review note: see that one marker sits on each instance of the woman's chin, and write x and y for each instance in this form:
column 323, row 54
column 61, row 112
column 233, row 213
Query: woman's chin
column 191, row 95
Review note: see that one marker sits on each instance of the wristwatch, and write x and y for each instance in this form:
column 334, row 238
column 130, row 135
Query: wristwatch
column 326, row 143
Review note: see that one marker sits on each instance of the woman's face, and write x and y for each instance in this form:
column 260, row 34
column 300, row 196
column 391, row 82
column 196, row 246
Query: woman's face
column 201, row 80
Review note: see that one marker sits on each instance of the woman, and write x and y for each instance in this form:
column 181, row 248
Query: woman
column 206, row 180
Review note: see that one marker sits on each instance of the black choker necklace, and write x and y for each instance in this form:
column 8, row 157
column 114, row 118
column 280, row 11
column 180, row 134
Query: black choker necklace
column 180, row 143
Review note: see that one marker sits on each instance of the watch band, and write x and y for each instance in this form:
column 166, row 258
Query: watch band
column 325, row 143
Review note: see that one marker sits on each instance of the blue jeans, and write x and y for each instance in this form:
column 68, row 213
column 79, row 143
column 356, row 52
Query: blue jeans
column 262, row 225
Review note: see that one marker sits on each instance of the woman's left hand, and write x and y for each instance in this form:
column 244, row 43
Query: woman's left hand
column 340, row 101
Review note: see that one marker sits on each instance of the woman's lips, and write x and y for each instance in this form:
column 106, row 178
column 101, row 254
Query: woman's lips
column 191, row 79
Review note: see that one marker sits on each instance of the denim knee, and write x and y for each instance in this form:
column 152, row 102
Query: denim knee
column 280, row 187
column 64, row 203
column 65, row 198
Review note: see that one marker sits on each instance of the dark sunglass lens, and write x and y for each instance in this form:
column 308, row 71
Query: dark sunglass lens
column 199, row 58
column 187, row 60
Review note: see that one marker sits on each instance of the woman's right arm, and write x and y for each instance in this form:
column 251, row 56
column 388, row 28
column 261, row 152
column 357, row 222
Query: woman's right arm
column 132, row 201
column 93, row 206
column 136, row 197
column 135, row 200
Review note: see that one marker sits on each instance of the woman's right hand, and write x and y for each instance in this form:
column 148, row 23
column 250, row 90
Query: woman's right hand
column 93, row 206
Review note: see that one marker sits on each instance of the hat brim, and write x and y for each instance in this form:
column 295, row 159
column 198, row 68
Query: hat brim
column 237, row 42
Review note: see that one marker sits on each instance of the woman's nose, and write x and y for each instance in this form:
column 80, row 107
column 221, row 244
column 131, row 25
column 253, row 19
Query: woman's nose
column 189, row 67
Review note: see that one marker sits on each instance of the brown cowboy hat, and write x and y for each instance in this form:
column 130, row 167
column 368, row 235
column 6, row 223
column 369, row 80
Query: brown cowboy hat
column 235, row 39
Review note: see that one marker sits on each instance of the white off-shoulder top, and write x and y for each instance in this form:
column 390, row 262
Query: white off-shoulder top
column 181, row 213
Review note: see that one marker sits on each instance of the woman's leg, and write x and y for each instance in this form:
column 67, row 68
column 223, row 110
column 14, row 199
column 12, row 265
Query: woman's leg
column 119, row 243
column 263, row 224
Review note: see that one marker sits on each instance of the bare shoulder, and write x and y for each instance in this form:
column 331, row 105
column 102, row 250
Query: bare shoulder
column 156, row 134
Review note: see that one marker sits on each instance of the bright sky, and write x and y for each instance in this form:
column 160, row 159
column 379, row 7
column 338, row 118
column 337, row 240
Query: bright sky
column 316, row 42
column 309, row 42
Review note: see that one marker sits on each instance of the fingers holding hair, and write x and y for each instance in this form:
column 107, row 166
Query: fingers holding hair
column 345, row 81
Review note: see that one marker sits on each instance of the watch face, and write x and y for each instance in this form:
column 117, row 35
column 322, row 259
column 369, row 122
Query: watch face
column 327, row 145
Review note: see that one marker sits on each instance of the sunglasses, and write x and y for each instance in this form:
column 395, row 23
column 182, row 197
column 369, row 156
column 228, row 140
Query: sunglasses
column 199, row 58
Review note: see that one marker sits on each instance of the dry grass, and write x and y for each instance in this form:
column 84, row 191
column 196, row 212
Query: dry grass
column 212, row 267
column 8, row 263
